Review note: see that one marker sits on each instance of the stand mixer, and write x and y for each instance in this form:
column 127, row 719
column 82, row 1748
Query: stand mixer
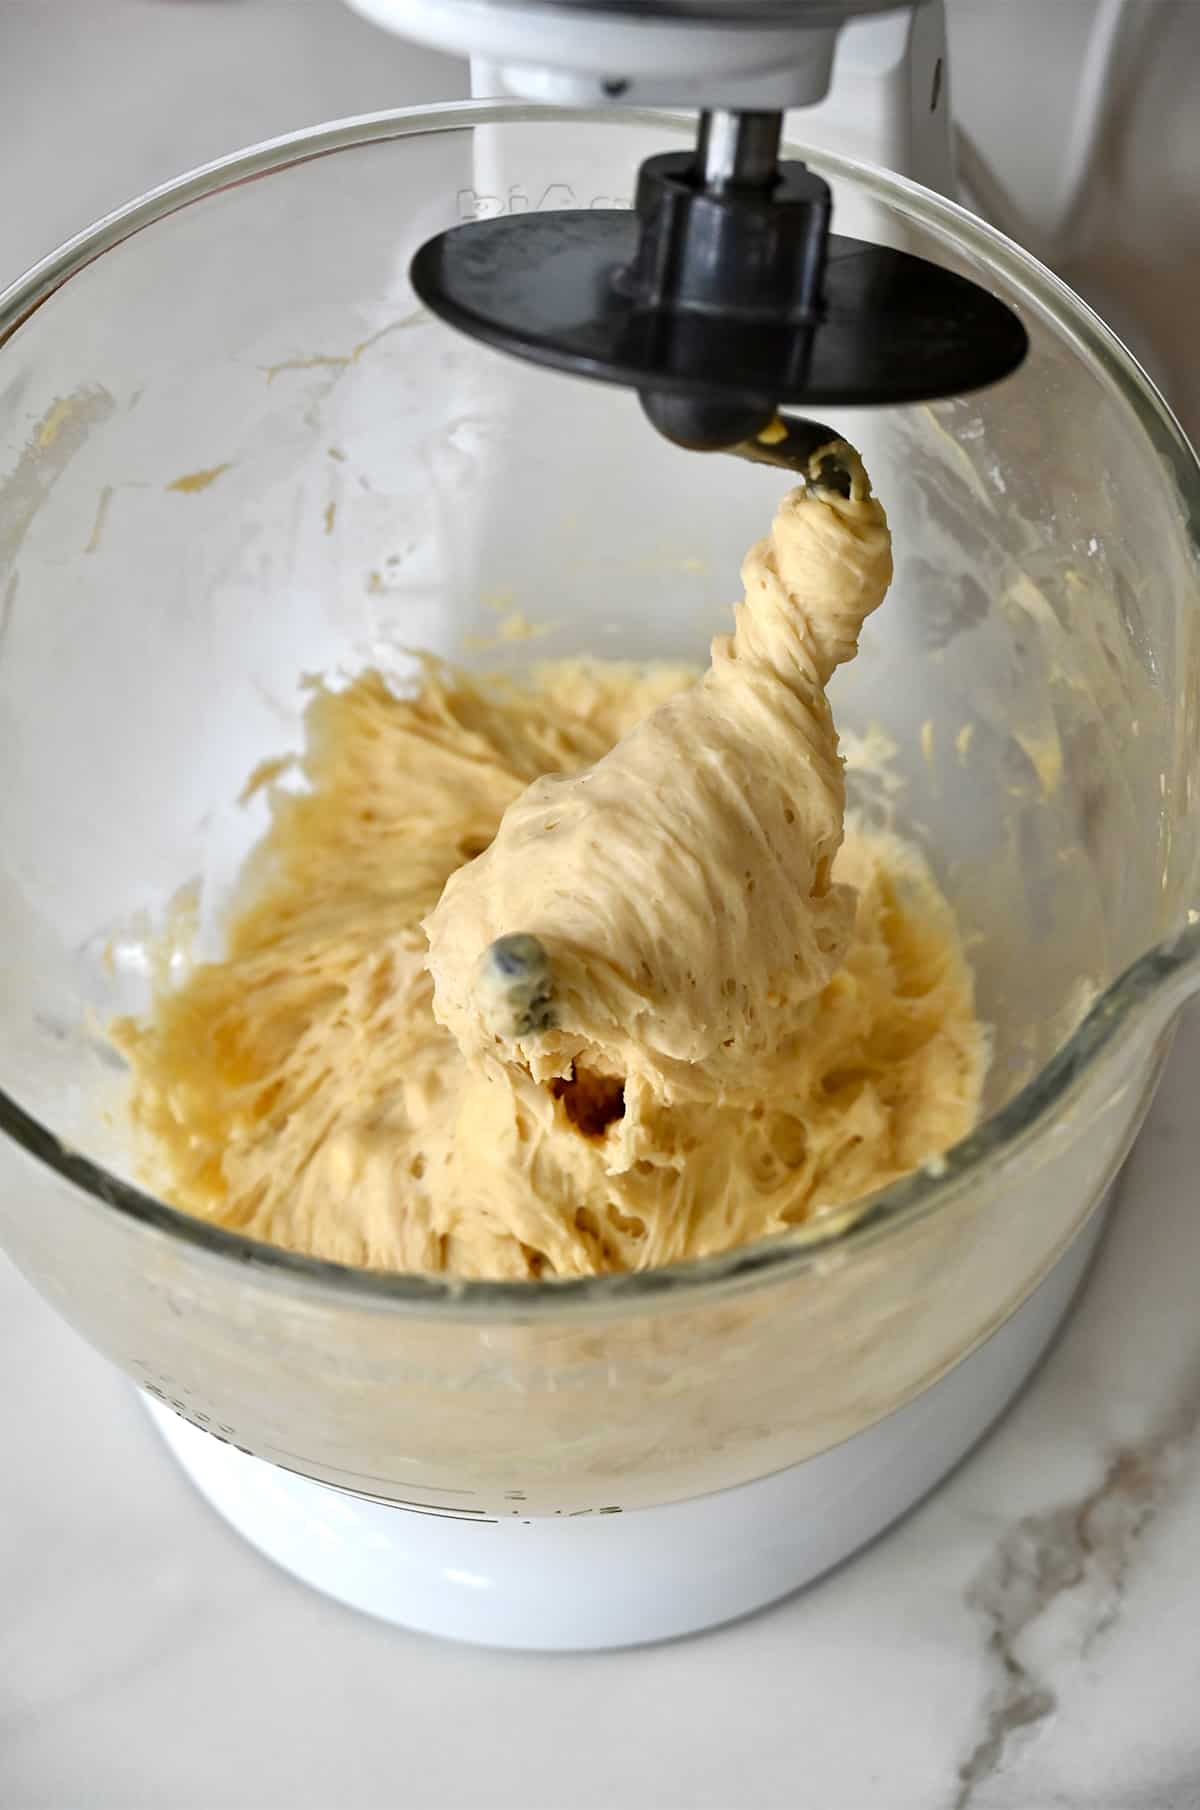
column 217, row 486
column 723, row 293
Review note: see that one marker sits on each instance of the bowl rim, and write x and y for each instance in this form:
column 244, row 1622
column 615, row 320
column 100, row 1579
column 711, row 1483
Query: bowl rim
column 837, row 1237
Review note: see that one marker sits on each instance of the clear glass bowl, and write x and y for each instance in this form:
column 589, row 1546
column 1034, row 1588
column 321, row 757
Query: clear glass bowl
column 235, row 452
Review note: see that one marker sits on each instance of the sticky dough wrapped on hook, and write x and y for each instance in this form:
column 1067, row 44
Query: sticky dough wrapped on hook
column 666, row 917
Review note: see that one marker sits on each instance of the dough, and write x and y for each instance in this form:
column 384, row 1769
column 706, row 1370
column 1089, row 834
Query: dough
column 681, row 888
column 716, row 1018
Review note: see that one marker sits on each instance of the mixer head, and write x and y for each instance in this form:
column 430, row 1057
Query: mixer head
column 721, row 295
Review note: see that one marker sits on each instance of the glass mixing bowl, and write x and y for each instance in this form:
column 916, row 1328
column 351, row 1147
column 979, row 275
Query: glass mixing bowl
column 235, row 452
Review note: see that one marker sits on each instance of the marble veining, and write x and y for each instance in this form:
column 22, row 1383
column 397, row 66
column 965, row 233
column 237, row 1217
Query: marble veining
column 1081, row 1551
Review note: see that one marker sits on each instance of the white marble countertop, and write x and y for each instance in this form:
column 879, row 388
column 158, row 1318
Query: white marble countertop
column 1028, row 1639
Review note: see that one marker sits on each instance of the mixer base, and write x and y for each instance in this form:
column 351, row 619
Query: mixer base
column 649, row 1574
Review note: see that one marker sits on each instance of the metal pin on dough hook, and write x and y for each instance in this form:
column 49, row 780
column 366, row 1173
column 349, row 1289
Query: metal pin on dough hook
column 816, row 453
column 514, row 986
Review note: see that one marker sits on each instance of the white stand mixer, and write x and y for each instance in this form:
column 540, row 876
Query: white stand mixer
column 615, row 1579
column 874, row 87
